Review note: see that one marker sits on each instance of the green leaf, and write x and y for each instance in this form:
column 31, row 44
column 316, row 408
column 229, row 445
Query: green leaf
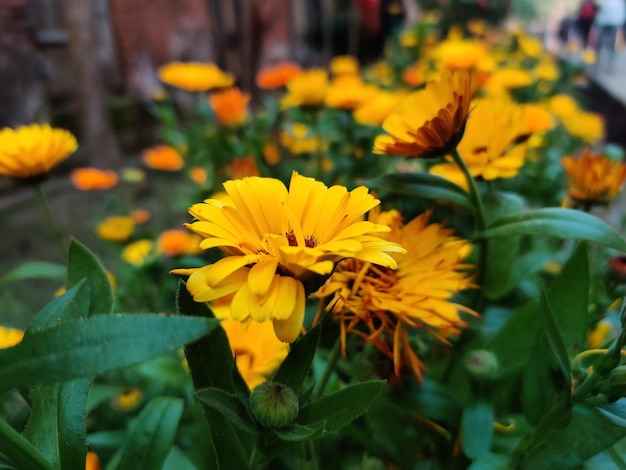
column 299, row 433
column 73, row 304
column 294, row 369
column 178, row 460
column 556, row 222
column 491, row 461
column 19, row 450
column 421, row 185
column 152, row 435
column 35, row 270
column 477, row 429
column 99, row 393
column 90, row 346
column 550, row 331
column 83, row 264
column 340, row 408
column 229, row 406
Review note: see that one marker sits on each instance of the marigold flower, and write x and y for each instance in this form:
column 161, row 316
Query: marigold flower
column 563, row 105
column 529, row 45
column 116, row 228
column 10, row 336
column 128, row 399
column 375, row 110
column 344, row 65
column 282, row 244
column 547, row 70
column 307, row 89
column 176, row 242
column 508, row 79
column 414, row 75
column 271, row 153
column 137, row 252
column 163, row 157
column 459, row 54
column 298, row 140
column 88, row 179
column 348, row 92
column 429, row 122
column 538, row 118
column 593, row 178
column 198, row 175
column 586, row 126
column 33, row 150
column 140, row 216
column 258, row 352
column 230, row 106
column 381, row 305
column 278, row 75
column 195, row 76
column 242, row 167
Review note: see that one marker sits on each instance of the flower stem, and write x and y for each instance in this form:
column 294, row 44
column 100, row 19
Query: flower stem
column 333, row 356
column 480, row 225
column 51, row 221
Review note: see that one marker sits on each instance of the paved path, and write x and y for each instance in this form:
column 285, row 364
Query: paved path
column 611, row 77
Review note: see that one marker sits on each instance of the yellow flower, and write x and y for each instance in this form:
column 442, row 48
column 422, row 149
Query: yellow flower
column 348, row 92
column 380, row 304
column 344, row 65
column 137, row 252
column 508, row 79
column 408, row 38
column 538, row 118
column 593, row 178
column 195, row 76
column 176, row 242
column 459, row 54
column 163, row 157
column 374, row 111
column 563, row 105
column 306, row 89
column 10, row 336
column 429, row 122
column 128, row 399
column 31, row 151
column 381, row 73
column 529, row 45
column 298, row 140
column 282, row 244
column 257, row 351
column 116, row 228
column 587, row 126
column 547, row 70
column 230, row 106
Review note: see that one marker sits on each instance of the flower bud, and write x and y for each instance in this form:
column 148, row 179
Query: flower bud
column 481, row 364
column 274, row 404
column 617, row 381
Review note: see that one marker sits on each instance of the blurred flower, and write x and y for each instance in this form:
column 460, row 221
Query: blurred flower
column 381, row 305
column 530, row 45
column 477, row 26
column 133, row 175
column 198, row 175
column 242, row 167
column 230, row 106
column 562, row 105
column 429, row 122
column 307, row 89
column 10, row 336
column 87, row 179
column 271, row 153
column 408, row 38
column 257, row 351
column 605, row 329
column 128, row 399
column 195, row 76
column 348, row 92
column 110, row 276
column 92, row 461
column 116, row 228
column 140, row 216
column 278, row 75
column 587, row 126
column 508, row 79
column 33, row 150
column 176, row 242
column 381, row 73
column 589, row 56
column 593, row 178
column 459, row 54
column 344, row 65
column 374, row 111
column 547, row 70
column 282, row 244
column 298, row 140
column 137, row 252
column 414, row 75
column 538, row 118
column 163, row 157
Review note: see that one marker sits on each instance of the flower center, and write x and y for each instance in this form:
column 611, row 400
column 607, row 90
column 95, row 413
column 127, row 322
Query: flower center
column 309, row 241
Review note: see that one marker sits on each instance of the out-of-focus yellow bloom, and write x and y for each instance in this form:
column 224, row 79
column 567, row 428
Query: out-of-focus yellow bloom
column 601, row 333
column 587, row 126
column 459, row 54
column 589, row 56
column 374, row 111
column 348, row 92
column 344, row 65
column 89, row 179
column 10, row 336
column 32, row 151
column 128, row 400
column 133, row 175
column 563, row 105
column 547, row 70
column 298, row 140
column 116, row 228
column 592, row 178
column 137, row 252
column 429, row 122
column 307, row 89
column 380, row 73
column 163, row 157
column 277, row 75
column 477, row 27
column 230, row 106
column 538, row 119
column 530, row 46
column 195, row 76
column 408, row 38
column 508, row 79
column 176, row 242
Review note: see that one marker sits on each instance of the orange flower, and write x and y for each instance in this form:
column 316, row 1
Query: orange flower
column 176, row 242
column 92, row 462
column 198, row 175
column 163, row 157
column 87, row 179
column 242, row 167
column 271, row 153
column 277, row 75
column 140, row 216
column 230, row 106
column 194, row 76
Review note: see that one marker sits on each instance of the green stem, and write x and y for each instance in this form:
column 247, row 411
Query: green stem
column 480, row 225
column 19, row 450
column 586, row 386
column 51, row 221
column 333, row 356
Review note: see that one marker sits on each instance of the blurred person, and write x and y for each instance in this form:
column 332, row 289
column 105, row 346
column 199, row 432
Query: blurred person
column 609, row 19
column 586, row 15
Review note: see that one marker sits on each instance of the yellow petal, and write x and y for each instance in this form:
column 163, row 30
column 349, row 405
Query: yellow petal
column 261, row 275
column 288, row 330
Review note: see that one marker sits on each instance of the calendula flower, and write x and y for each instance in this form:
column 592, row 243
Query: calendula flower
column 271, row 153
column 298, row 139
column 278, row 75
column 493, row 144
column 344, row 65
column 429, row 122
column 375, row 110
column 563, row 105
column 282, row 244
column 459, row 54
column 230, row 106
column 414, row 75
column 32, row 151
column 116, row 228
column 382, row 305
column 258, row 352
column 128, row 400
column 592, row 178
column 547, row 70
column 140, row 216
column 242, row 167
column 176, row 242
column 137, row 252
column 587, row 126
column 198, row 175
column 538, row 119
column 530, row 46
column 195, row 76
column 307, row 89
column 88, row 179
column 508, row 79
column 10, row 336
column 163, row 157
column 381, row 73
column 348, row 92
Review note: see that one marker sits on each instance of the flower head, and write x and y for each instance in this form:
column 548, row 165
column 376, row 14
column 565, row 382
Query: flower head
column 10, row 336
column 32, row 151
column 195, row 76
column 344, row 65
column 306, row 89
column 278, row 75
column 88, row 179
column 163, row 157
column 429, row 122
column 176, row 242
column 116, row 228
column 230, row 106
column 298, row 139
column 586, row 126
column 460, row 54
column 374, row 111
column 137, row 253
column 282, row 244
column 381, row 305
column 592, row 178
column 348, row 92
